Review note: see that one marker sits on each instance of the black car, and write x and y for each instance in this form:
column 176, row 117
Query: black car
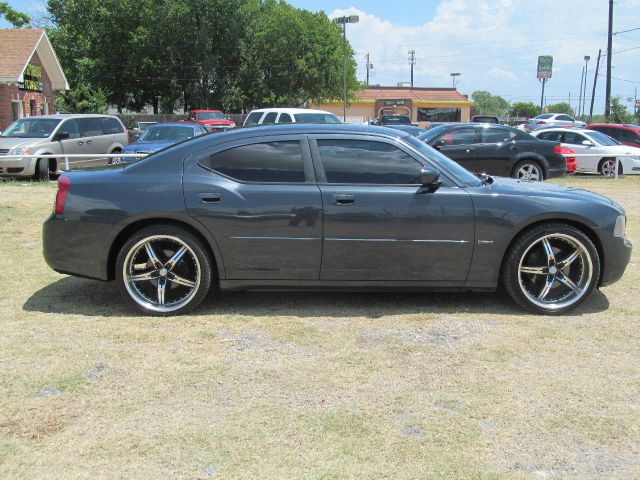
column 393, row 120
column 327, row 207
column 498, row 150
column 485, row 119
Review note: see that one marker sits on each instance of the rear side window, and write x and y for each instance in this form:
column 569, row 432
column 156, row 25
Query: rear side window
column 495, row 135
column 368, row 162
column 270, row 117
column 284, row 118
column 110, row 126
column 553, row 136
column 565, row 118
column 253, row 118
column 269, row 162
column 91, row 127
column 627, row 136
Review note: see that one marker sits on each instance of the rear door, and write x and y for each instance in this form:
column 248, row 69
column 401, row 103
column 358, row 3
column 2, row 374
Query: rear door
column 380, row 224
column 459, row 144
column 93, row 139
column 259, row 200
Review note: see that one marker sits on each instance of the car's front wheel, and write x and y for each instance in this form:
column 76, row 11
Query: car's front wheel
column 528, row 170
column 551, row 268
column 607, row 167
column 163, row 270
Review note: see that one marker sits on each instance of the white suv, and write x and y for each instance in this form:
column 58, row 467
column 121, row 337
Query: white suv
column 58, row 134
column 265, row 116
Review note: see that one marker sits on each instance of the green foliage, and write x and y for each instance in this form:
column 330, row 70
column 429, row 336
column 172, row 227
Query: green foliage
column 524, row 109
column 618, row 112
column 230, row 54
column 15, row 18
column 486, row 104
column 562, row 107
column 82, row 99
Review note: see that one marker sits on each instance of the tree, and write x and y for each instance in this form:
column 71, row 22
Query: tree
column 562, row 107
column 15, row 18
column 486, row 104
column 82, row 99
column 524, row 109
column 619, row 113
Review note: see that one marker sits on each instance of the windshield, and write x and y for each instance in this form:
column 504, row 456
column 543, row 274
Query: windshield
column 432, row 133
column 210, row 116
column 603, row 139
column 172, row 133
column 31, row 128
column 396, row 119
column 316, row 118
column 462, row 174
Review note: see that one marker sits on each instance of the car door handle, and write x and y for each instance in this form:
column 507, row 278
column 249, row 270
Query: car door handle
column 210, row 197
column 512, row 147
column 80, row 142
column 469, row 150
column 344, row 199
column 89, row 142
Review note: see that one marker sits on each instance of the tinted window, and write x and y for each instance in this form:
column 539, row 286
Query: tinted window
column 91, row 127
column 173, row 133
column 573, row 138
column 285, row 118
column 71, row 127
column 553, row 136
column 566, row 118
column 495, row 135
column 110, row 125
column 260, row 162
column 459, row 136
column 628, row 136
column 253, row 118
column 316, row 118
column 270, row 117
column 603, row 139
column 364, row 161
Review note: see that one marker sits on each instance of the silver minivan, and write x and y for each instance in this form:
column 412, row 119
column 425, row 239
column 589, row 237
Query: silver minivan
column 59, row 134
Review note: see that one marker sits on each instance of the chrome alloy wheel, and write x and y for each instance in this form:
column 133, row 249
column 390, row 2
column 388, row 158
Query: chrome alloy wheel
column 529, row 172
column 555, row 271
column 608, row 168
column 161, row 273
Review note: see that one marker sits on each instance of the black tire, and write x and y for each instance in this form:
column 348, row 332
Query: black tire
column 531, row 165
column 115, row 161
column 527, row 269
column 194, row 266
column 606, row 169
column 42, row 169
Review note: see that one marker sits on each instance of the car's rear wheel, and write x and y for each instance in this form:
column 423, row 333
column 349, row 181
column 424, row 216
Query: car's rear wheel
column 551, row 268
column 607, row 167
column 163, row 270
column 528, row 170
column 115, row 160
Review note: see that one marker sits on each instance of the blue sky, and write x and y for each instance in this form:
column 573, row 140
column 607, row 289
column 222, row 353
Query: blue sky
column 494, row 44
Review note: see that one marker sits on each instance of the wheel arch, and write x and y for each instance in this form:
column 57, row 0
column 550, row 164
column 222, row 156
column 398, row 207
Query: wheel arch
column 122, row 236
column 582, row 226
column 531, row 156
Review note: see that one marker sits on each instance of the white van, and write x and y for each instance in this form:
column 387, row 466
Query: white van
column 265, row 116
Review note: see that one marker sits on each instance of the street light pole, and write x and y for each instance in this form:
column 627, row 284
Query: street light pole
column 453, row 78
column 343, row 21
column 584, row 96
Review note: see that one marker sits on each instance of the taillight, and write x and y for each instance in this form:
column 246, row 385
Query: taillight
column 61, row 197
column 540, row 122
column 558, row 149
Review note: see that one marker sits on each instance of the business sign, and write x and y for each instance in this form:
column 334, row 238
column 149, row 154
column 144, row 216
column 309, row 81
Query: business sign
column 32, row 79
column 545, row 65
column 392, row 103
column 638, row 104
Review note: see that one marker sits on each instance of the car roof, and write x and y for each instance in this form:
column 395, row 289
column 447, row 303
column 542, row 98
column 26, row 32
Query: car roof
column 622, row 126
column 289, row 110
column 62, row 116
column 562, row 129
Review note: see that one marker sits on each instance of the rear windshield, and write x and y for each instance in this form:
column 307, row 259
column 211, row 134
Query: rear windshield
column 396, row 119
column 31, row 128
column 166, row 132
column 316, row 118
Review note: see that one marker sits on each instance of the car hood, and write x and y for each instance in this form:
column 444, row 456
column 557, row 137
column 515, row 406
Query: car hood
column 9, row 142
column 148, row 146
column 511, row 186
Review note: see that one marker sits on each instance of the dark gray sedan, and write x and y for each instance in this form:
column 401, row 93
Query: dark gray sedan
column 328, row 207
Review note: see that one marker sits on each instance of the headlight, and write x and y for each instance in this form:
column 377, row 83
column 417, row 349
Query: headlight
column 621, row 225
column 20, row 151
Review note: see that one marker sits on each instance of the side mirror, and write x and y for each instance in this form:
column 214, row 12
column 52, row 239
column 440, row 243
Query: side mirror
column 429, row 176
column 587, row 143
column 61, row 136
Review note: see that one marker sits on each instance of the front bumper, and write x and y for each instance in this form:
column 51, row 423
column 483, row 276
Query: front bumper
column 617, row 253
column 16, row 166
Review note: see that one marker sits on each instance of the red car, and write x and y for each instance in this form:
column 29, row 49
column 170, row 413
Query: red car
column 626, row 134
column 570, row 156
column 213, row 120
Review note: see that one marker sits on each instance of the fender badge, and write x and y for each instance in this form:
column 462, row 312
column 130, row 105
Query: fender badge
column 485, row 242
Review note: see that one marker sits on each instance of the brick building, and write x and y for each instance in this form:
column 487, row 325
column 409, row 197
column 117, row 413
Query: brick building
column 29, row 75
column 423, row 105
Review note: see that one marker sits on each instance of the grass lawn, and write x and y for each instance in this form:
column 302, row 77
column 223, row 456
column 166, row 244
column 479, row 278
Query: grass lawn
column 310, row 385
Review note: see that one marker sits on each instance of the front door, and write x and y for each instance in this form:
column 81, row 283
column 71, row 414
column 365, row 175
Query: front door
column 380, row 223
column 495, row 150
column 260, row 202
column 459, row 145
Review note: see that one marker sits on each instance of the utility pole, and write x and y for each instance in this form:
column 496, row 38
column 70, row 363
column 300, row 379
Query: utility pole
column 580, row 95
column 595, row 80
column 343, row 21
column 607, row 105
column 544, row 80
column 586, row 70
column 369, row 67
column 412, row 62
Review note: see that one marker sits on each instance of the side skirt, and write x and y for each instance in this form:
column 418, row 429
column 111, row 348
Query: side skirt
column 358, row 285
